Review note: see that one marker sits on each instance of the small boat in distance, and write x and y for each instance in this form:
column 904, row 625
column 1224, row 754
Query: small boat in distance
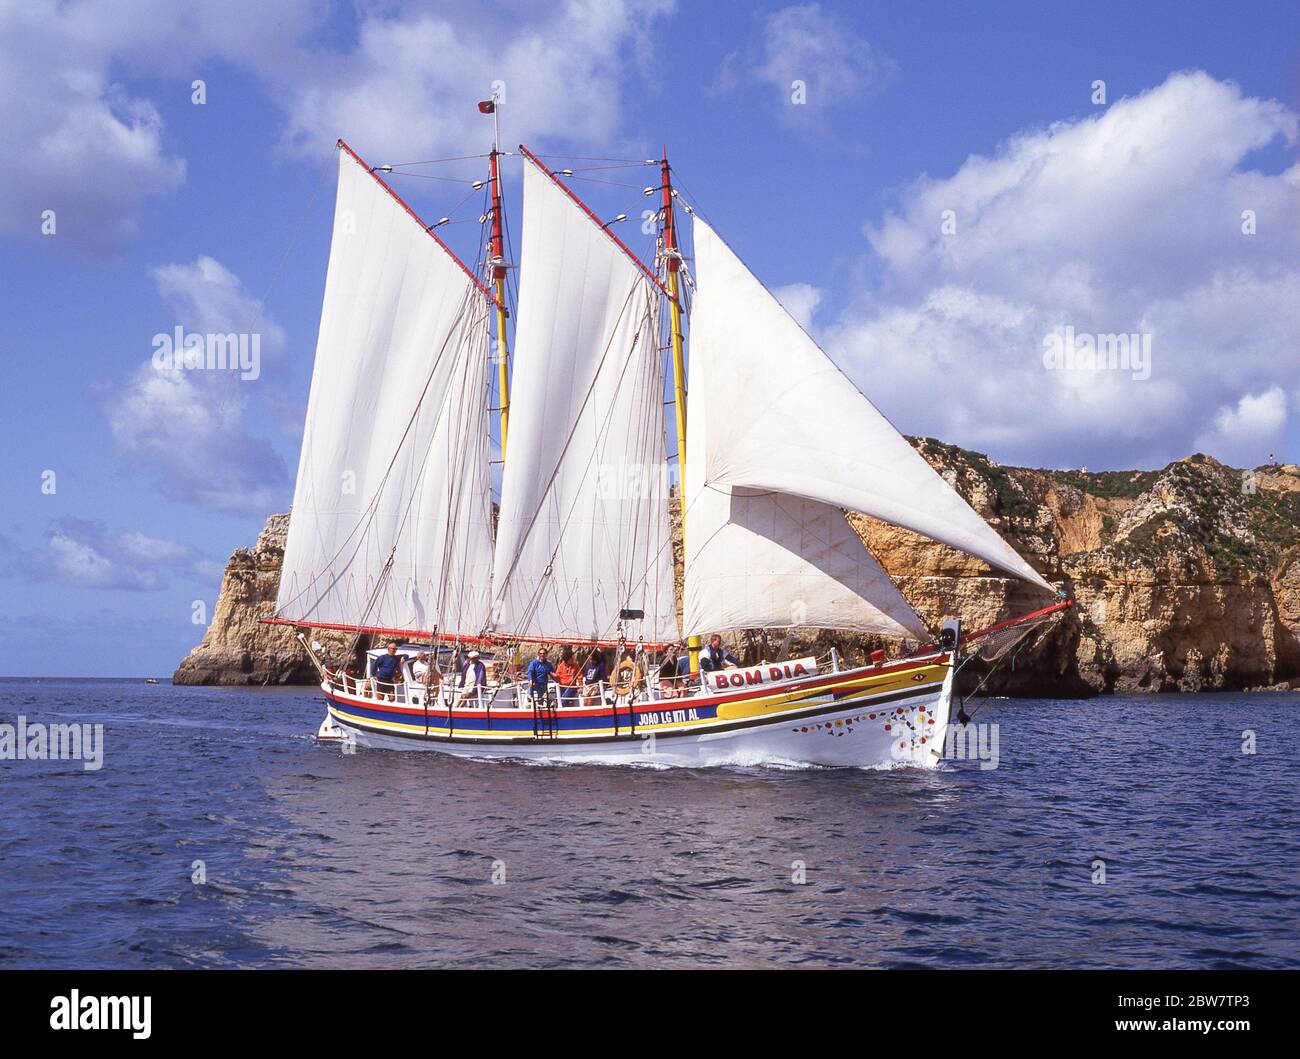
column 151, row 680
column 394, row 532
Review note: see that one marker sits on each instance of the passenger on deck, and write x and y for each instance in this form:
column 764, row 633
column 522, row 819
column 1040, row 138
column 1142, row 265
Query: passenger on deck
column 670, row 683
column 594, row 670
column 539, row 676
column 473, row 680
column 627, row 675
column 425, row 673
column 386, row 670
column 715, row 656
column 567, row 676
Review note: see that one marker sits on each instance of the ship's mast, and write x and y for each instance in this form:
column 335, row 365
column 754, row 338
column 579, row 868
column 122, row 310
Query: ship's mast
column 497, row 274
column 672, row 265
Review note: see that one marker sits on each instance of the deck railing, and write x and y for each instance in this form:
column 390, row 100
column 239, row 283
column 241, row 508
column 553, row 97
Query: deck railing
column 517, row 693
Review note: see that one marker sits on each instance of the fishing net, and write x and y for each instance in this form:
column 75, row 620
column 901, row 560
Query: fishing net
column 995, row 646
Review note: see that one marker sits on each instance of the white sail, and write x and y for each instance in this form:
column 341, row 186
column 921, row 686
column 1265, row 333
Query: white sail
column 583, row 534
column 783, row 418
column 757, row 559
column 391, row 524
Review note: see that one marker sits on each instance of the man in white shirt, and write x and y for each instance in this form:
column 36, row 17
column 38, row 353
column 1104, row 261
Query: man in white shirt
column 473, row 679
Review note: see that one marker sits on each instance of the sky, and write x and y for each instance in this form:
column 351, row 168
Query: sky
column 946, row 195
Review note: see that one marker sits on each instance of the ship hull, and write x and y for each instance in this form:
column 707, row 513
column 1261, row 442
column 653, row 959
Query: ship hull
column 867, row 718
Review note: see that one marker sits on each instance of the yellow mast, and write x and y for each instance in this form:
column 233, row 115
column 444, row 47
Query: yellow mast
column 497, row 265
column 672, row 261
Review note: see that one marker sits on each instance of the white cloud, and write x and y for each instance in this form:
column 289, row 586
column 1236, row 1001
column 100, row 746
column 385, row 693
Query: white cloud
column 86, row 554
column 1247, row 433
column 83, row 146
column 86, row 145
column 207, row 296
column 408, row 88
column 93, row 148
column 800, row 301
column 188, row 429
column 818, row 48
column 1126, row 222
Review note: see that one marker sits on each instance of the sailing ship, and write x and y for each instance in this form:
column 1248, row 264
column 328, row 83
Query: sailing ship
column 394, row 532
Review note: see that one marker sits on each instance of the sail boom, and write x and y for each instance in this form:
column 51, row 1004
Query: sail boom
column 413, row 635
column 484, row 640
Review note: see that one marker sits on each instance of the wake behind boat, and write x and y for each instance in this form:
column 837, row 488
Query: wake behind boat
column 394, row 532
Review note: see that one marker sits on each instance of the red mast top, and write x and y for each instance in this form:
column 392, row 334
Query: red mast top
column 670, row 225
column 498, row 242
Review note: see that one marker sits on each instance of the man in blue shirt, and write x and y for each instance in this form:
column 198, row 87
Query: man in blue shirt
column 539, row 674
column 715, row 656
column 387, row 670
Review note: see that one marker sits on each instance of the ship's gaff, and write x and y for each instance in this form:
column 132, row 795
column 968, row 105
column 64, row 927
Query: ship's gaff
column 391, row 523
column 781, row 423
column 583, row 545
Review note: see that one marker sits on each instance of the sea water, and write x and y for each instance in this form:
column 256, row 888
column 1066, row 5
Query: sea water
column 1118, row 832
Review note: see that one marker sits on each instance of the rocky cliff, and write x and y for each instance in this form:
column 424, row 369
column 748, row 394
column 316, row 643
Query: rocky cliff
column 1187, row 579
column 237, row 648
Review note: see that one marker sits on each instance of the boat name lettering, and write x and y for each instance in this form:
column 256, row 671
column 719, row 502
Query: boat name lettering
column 668, row 716
column 764, row 674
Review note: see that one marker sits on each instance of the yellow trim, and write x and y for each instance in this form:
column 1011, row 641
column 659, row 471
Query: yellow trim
column 870, row 685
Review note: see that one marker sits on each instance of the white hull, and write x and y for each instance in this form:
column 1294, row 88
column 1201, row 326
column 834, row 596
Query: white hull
column 842, row 738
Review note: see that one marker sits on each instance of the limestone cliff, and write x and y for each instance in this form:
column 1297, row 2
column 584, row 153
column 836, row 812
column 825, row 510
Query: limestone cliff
column 237, row 648
column 1187, row 579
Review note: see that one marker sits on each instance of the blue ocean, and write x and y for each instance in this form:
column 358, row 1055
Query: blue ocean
column 1112, row 833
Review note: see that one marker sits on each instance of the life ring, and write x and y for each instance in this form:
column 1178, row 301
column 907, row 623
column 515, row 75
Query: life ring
column 627, row 675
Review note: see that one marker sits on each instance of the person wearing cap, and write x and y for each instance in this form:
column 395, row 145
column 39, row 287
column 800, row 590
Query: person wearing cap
column 473, row 678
